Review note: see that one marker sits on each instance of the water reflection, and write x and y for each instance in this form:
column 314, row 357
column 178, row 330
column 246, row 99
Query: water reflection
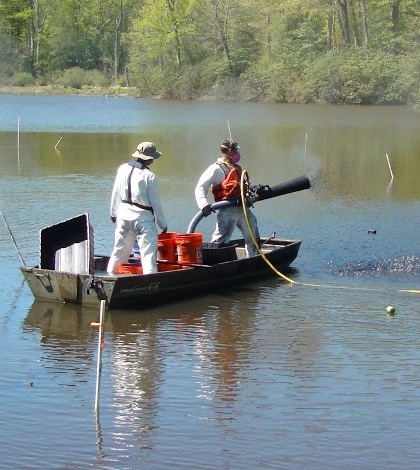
column 344, row 149
column 14, row 301
column 197, row 354
column 66, row 339
column 204, row 342
column 221, row 344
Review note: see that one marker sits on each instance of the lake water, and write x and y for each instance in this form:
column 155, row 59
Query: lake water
column 270, row 376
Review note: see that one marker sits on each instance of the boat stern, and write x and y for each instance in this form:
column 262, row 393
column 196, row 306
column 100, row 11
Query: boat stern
column 58, row 286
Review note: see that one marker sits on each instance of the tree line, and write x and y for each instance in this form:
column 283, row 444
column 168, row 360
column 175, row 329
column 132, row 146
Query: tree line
column 297, row 51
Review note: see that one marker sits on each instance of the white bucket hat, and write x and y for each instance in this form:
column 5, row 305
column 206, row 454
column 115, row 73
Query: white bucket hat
column 147, row 152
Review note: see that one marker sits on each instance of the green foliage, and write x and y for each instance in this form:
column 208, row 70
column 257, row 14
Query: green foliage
column 386, row 74
column 356, row 78
column 72, row 78
column 198, row 80
column 6, row 74
column 336, row 78
column 23, row 79
column 299, row 34
column 96, row 79
column 288, row 51
column 267, row 81
column 77, row 78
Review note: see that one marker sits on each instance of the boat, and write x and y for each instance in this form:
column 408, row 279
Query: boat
column 222, row 266
column 70, row 272
column 137, row 291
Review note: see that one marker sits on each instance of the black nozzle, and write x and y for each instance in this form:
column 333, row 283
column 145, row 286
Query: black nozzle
column 297, row 184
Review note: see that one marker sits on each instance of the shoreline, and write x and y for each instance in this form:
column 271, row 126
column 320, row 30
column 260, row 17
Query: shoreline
column 130, row 92
column 49, row 90
column 121, row 92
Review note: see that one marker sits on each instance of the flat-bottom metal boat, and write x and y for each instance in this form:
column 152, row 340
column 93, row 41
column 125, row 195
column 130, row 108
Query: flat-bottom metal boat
column 222, row 267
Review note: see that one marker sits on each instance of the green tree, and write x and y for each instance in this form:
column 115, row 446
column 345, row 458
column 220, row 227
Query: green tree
column 161, row 43
column 88, row 35
column 17, row 18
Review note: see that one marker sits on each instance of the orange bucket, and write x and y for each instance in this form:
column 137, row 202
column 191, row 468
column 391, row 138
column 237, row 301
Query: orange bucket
column 167, row 246
column 190, row 248
column 131, row 268
column 168, row 267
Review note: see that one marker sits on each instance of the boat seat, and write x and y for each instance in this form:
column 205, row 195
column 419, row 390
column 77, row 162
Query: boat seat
column 214, row 253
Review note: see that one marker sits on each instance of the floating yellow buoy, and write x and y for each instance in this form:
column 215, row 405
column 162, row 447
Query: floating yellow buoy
column 390, row 310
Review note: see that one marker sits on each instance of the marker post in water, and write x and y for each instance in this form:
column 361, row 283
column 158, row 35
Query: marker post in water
column 389, row 166
column 101, row 345
column 56, row 145
column 18, row 141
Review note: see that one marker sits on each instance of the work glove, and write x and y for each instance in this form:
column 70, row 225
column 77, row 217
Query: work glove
column 164, row 230
column 114, row 219
column 207, row 210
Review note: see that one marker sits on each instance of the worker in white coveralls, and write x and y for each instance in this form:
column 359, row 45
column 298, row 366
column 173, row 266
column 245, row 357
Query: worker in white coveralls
column 136, row 209
column 224, row 179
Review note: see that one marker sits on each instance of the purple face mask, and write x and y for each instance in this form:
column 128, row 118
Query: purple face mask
column 235, row 158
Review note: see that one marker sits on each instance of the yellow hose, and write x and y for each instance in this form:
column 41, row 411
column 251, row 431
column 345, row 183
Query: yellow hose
column 257, row 246
column 255, row 241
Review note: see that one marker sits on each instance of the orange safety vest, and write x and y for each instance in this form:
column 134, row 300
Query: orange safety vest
column 230, row 187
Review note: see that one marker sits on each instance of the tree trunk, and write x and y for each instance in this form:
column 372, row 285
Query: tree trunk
column 127, row 78
column 344, row 21
column 330, row 30
column 32, row 35
column 118, row 23
column 116, row 52
column 268, row 23
column 171, row 7
column 395, row 24
column 365, row 24
column 223, row 33
column 395, row 15
column 356, row 39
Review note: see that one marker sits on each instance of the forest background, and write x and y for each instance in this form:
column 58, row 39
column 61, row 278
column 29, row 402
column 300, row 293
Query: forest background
column 290, row 51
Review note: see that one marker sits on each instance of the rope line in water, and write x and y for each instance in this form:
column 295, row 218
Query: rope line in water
column 291, row 281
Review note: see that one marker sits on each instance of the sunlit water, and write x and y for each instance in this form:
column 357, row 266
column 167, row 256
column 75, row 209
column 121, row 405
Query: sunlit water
column 269, row 376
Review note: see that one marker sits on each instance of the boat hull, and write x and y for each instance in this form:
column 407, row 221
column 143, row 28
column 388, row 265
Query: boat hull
column 132, row 291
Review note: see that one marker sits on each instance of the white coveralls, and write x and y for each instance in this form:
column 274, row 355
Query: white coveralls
column 134, row 222
column 229, row 217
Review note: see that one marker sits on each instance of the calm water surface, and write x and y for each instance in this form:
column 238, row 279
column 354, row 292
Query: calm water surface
column 271, row 376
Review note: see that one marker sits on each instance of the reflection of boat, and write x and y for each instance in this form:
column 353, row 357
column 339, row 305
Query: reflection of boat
column 69, row 272
column 62, row 322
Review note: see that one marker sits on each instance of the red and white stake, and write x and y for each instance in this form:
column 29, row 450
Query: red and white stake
column 101, row 345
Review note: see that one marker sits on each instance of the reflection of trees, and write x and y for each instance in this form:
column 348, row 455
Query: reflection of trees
column 212, row 340
column 232, row 337
column 289, row 341
column 229, row 339
column 352, row 160
column 137, row 368
column 221, row 341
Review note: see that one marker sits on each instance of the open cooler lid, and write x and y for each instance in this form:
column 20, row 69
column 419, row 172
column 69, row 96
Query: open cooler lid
column 68, row 246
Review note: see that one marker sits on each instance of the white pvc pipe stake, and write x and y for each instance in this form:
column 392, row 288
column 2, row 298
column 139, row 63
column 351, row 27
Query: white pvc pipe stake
column 389, row 165
column 99, row 362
